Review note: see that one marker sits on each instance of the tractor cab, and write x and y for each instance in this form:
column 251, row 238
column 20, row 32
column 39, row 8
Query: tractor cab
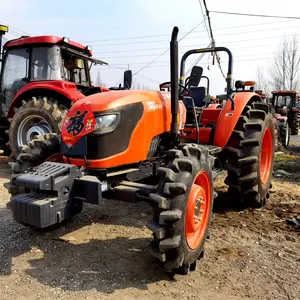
column 283, row 99
column 46, row 59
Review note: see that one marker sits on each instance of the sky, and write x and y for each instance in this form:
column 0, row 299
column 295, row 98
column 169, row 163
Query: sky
column 132, row 33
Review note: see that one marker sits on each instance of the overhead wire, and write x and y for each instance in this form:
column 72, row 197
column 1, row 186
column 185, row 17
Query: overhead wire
column 168, row 49
column 253, row 15
column 197, row 60
column 212, row 38
column 196, row 31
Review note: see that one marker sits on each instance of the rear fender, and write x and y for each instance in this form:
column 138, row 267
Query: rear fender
column 228, row 118
column 66, row 92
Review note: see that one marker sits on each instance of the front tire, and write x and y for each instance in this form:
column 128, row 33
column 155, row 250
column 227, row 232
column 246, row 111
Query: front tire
column 182, row 208
column 30, row 156
column 250, row 151
column 35, row 117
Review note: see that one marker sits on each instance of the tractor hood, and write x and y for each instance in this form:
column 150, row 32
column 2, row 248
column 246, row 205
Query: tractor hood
column 81, row 121
column 105, row 101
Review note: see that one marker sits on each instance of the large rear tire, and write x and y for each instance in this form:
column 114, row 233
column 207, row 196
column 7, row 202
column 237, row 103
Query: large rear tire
column 182, row 208
column 250, row 152
column 295, row 123
column 38, row 116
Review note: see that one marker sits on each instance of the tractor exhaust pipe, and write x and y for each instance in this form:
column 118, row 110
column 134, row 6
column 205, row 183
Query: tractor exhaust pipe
column 174, row 84
column 3, row 30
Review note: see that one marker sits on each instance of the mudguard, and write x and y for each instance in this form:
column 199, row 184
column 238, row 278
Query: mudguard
column 66, row 89
column 228, row 118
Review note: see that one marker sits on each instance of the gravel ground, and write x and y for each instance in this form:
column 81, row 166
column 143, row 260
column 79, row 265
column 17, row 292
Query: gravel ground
column 100, row 254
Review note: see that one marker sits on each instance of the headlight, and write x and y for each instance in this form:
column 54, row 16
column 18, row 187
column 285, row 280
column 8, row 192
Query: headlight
column 106, row 123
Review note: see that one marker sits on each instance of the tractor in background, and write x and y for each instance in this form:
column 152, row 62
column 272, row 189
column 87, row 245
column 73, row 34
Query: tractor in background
column 286, row 105
column 153, row 146
column 41, row 77
column 283, row 132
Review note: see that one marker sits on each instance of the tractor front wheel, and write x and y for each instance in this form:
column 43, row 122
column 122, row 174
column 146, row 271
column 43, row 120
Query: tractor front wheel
column 38, row 116
column 38, row 150
column 182, row 208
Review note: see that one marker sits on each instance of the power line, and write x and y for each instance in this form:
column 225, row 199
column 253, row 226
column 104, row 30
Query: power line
column 198, row 59
column 212, row 37
column 167, row 34
column 148, row 64
column 9, row 28
column 253, row 15
column 168, row 48
column 240, row 60
column 203, row 15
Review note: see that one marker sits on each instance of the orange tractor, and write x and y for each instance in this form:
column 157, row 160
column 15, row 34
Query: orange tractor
column 151, row 146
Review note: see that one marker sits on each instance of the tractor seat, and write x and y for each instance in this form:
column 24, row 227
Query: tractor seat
column 198, row 94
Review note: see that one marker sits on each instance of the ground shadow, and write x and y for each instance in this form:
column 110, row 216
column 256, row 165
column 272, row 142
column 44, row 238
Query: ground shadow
column 105, row 265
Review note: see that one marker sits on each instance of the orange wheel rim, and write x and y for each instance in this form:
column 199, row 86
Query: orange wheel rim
column 266, row 156
column 198, row 210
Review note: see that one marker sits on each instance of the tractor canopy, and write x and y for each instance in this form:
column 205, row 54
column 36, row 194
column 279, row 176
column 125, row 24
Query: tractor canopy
column 44, row 58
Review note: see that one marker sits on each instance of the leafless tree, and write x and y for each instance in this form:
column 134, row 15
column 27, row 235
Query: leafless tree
column 261, row 80
column 284, row 69
column 99, row 81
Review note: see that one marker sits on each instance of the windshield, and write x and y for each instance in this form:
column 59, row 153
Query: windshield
column 283, row 101
column 46, row 64
column 75, row 69
column 15, row 73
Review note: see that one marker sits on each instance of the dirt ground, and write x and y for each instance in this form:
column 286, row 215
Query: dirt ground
column 100, row 254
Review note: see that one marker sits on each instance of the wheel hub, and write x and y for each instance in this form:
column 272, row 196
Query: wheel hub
column 36, row 130
column 198, row 210
column 30, row 127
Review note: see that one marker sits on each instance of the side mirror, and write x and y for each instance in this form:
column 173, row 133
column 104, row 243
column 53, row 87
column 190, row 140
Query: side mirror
column 127, row 79
column 195, row 76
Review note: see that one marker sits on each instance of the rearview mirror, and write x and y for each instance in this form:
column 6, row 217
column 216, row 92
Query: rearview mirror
column 195, row 76
column 127, row 79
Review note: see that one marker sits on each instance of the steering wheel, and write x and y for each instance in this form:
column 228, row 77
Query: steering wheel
column 182, row 86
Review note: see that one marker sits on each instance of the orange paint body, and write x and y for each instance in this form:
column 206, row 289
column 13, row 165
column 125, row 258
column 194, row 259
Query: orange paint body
column 156, row 119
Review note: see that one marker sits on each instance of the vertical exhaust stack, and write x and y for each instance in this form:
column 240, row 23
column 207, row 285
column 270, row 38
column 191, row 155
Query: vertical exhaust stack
column 174, row 84
column 3, row 30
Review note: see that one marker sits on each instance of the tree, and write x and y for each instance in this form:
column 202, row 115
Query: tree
column 99, row 80
column 261, row 80
column 284, row 69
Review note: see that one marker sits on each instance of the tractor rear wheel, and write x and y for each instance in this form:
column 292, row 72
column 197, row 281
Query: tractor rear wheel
column 38, row 150
column 38, row 116
column 250, row 151
column 295, row 123
column 182, row 208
